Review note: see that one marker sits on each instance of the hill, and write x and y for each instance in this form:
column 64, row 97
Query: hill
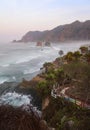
column 68, row 32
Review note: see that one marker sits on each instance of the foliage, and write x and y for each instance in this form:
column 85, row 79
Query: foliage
column 73, row 56
column 50, row 78
column 59, row 73
column 48, row 66
column 60, row 112
column 87, row 56
column 63, row 112
column 61, row 52
column 77, row 55
column 80, row 73
column 84, row 49
column 43, row 89
column 69, row 57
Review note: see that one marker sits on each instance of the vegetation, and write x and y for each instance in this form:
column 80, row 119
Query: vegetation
column 80, row 73
column 73, row 56
column 60, row 113
column 64, row 115
column 87, row 56
column 75, row 71
column 18, row 119
column 84, row 49
column 48, row 66
column 43, row 89
column 53, row 78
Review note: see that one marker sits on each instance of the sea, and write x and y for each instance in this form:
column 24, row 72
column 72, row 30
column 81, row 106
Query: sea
column 24, row 60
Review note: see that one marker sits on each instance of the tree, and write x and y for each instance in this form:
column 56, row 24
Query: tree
column 77, row 55
column 80, row 73
column 61, row 53
column 59, row 76
column 84, row 85
column 51, row 79
column 83, row 49
column 87, row 56
column 48, row 66
column 43, row 89
column 69, row 57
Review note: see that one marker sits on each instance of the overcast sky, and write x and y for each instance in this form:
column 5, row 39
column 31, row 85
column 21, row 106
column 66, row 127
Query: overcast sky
column 20, row 16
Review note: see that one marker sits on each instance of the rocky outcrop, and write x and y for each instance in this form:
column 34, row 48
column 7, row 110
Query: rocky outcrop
column 24, row 90
column 45, row 103
column 19, row 119
column 74, row 31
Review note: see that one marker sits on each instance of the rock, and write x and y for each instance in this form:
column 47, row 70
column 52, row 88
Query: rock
column 71, row 123
column 44, row 126
column 45, row 103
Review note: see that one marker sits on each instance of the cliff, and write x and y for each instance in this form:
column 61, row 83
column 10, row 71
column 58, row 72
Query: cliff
column 74, row 31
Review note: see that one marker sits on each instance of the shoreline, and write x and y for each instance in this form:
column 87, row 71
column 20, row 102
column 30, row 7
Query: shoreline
column 29, row 86
column 54, row 110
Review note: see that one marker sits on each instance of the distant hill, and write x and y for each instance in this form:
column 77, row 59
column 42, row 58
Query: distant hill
column 74, row 31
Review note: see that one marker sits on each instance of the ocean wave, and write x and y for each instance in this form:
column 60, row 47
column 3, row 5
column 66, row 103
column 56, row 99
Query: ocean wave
column 15, row 99
column 56, row 48
column 14, row 78
column 26, row 59
column 31, row 71
column 3, row 79
column 6, row 65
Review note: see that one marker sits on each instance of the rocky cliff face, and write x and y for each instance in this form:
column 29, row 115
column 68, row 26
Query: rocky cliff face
column 74, row 31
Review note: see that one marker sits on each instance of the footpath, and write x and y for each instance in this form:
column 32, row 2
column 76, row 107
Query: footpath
column 57, row 93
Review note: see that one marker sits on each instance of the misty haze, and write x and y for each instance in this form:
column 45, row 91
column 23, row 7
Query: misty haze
column 45, row 65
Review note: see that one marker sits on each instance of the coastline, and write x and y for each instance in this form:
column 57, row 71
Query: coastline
column 58, row 112
column 30, row 86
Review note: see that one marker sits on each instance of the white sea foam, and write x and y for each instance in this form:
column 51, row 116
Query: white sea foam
column 6, row 65
column 20, row 59
column 56, row 48
column 30, row 71
column 14, row 78
column 3, row 79
column 15, row 99
column 25, row 59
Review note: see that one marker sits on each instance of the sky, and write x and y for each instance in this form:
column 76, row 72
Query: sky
column 17, row 17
